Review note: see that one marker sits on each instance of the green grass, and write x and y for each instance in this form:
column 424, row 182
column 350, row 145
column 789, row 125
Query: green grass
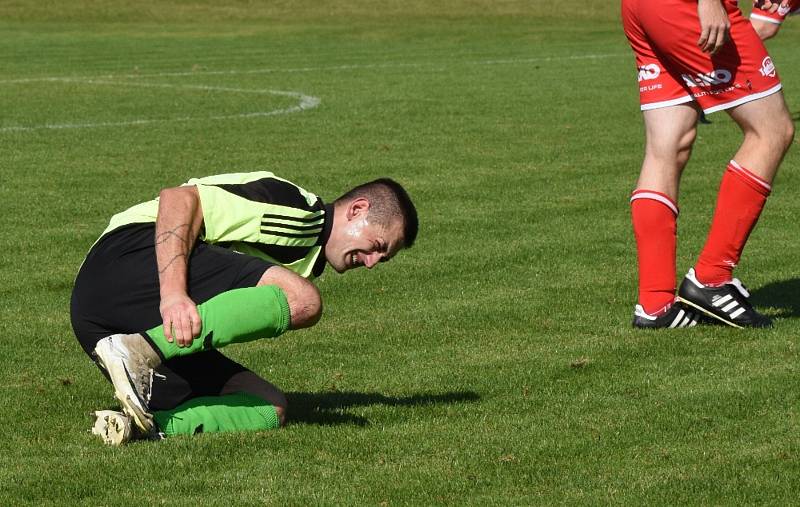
column 494, row 362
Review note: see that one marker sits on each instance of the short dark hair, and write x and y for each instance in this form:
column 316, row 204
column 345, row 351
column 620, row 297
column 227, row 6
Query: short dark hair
column 387, row 200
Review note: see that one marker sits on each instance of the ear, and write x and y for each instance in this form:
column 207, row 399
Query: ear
column 357, row 208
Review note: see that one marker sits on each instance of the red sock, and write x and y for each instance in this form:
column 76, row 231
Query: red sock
column 655, row 226
column 741, row 198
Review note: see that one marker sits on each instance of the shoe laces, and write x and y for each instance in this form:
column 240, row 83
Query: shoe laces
column 740, row 287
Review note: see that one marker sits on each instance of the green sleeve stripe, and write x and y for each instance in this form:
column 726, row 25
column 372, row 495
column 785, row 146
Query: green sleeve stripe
column 318, row 217
column 277, row 231
column 282, row 230
column 291, row 227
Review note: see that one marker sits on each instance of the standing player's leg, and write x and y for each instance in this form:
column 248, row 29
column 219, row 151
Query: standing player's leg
column 739, row 73
column 768, row 132
column 670, row 117
column 670, row 134
column 750, row 92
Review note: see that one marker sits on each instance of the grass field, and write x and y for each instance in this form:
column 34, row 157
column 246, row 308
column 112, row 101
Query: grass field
column 493, row 363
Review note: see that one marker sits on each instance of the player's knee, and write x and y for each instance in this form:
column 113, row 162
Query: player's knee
column 671, row 148
column 778, row 135
column 305, row 304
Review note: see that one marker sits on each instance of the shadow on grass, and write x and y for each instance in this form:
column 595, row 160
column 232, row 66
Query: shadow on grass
column 327, row 408
column 783, row 295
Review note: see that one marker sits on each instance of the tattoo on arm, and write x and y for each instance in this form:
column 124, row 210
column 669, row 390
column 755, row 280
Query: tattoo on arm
column 162, row 270
column 162, row 237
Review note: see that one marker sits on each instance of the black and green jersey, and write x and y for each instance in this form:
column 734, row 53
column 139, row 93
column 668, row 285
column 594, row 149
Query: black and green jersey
column 257, row 214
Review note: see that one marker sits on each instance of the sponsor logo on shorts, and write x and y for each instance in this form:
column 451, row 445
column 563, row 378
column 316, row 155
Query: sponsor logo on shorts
column 650, row 88
column 706, row 80
column 767, row 67
column 715, row 92
column 648, row 72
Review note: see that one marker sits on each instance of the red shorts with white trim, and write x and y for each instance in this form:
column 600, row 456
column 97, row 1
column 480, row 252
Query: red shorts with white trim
column 778, row 16
column 674, row 70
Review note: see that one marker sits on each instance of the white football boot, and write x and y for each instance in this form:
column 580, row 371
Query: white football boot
column 129, row 361
column 113, row 427
column 116, row 428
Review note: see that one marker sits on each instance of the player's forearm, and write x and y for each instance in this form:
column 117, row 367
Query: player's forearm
column 177, row 227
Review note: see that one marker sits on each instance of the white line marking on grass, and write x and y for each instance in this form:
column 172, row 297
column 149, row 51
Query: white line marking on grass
column 305, row 102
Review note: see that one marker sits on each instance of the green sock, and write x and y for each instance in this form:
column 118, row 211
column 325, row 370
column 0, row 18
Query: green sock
column 235, row 316
column 218, row 414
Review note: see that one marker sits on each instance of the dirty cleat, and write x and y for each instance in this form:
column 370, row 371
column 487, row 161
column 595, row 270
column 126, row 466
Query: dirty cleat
column 129, row 361
column 113, row 427
column 727, row 303
column 678, row 315
column 116, row 428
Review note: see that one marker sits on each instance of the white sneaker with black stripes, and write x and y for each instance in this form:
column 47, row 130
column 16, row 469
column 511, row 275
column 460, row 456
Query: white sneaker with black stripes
column 727, row 303
column 678, row 315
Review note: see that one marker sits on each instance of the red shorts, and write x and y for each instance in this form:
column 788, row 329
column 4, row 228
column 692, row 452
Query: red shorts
column 778, row 16
column 674, row 70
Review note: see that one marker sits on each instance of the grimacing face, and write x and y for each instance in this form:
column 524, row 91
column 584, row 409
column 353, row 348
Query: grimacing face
column 355, row 241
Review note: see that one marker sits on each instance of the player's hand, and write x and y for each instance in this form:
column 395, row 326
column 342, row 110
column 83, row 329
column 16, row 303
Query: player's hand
column 181, row 320
column 770, row 5
column 714, row 25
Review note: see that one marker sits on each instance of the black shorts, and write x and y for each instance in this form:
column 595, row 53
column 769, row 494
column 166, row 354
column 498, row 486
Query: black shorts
column 117, row 291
